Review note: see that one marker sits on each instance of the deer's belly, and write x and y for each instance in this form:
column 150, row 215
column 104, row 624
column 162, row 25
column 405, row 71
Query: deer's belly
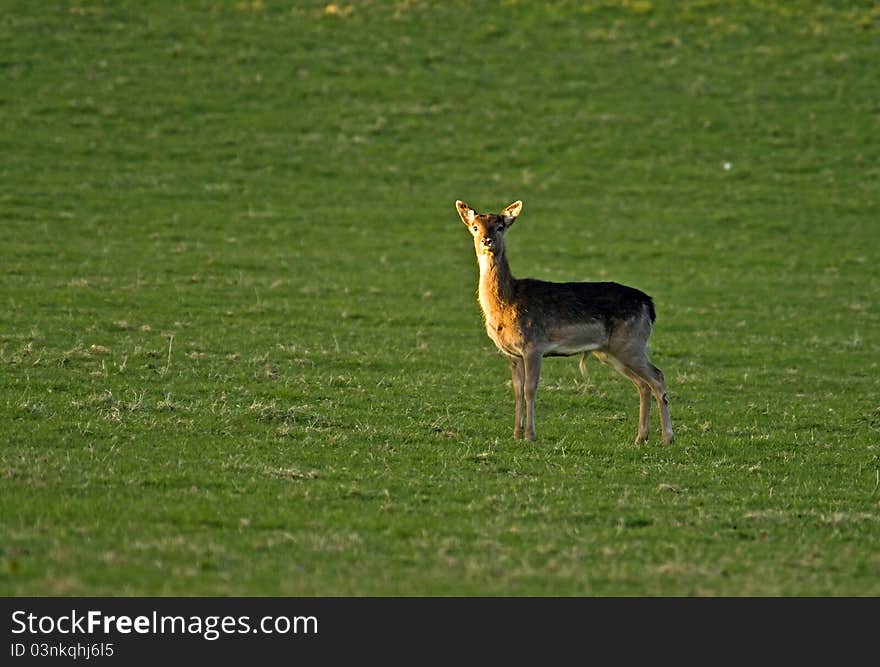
column 562, row 341
column 575, row 338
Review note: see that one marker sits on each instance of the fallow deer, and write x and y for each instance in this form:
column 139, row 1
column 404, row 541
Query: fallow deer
column 531, row 319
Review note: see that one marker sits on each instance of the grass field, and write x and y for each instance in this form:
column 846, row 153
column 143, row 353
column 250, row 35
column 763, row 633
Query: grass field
column 240, row 346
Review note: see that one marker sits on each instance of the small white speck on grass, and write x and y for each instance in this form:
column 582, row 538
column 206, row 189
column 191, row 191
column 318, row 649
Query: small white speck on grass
column 727, row 166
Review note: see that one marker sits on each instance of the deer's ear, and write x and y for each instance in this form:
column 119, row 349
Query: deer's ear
column 511, row 213
column 465, row 212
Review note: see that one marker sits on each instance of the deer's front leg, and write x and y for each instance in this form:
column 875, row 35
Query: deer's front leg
column 517, row 373
column 532, row 367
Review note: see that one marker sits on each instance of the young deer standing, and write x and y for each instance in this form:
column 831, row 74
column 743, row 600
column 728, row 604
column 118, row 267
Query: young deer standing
column 532, row 319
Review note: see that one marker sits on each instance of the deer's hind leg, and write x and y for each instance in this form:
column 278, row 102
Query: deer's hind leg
column 644, row 405
column 628, row 347
column 641, row 385
column 658, row 387
column 639, row 369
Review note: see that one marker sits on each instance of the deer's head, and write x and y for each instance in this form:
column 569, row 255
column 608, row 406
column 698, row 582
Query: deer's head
column 488, row 229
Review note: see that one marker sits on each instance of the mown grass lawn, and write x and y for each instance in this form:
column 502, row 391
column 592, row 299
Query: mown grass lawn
column 240, row 346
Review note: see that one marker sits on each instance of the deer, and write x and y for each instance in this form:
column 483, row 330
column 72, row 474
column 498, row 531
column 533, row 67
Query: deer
column 530, row 319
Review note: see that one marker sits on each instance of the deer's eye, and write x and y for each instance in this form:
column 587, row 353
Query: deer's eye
column 475, row 228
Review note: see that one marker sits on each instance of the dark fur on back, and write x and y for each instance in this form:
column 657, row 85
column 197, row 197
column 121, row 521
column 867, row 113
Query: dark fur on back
column 606, row 302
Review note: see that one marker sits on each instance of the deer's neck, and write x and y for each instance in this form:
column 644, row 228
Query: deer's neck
column 496, row 285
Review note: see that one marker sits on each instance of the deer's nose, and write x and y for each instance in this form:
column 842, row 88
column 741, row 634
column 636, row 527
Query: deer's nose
column 487, row 241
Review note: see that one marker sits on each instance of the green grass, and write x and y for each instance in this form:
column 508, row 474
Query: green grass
column 240, row 346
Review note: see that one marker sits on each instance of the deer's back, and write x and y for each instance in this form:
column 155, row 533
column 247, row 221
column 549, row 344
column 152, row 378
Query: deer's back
column 605, row 302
